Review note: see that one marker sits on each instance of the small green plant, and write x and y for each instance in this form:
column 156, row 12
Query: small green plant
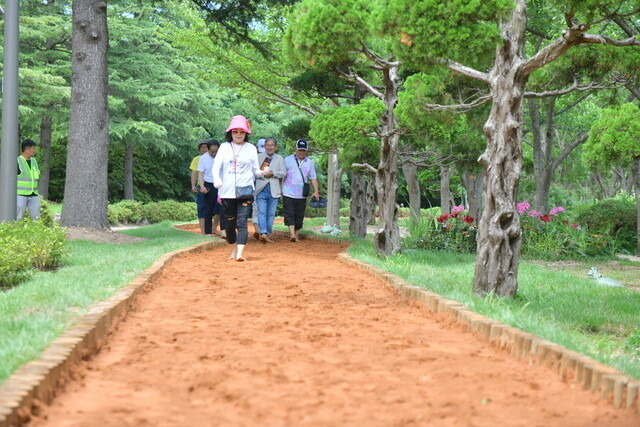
column 454, row 232
column 25, row 245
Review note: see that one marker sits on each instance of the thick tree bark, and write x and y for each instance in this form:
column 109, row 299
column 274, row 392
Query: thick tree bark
column 635, row 170
column 46, row 130
column 358, row 210
column 128, row 172
column 86, row 193
column 371, row 199
column 446, row 200
column 410, row 172
column 472, row 182
column 387, row 236
column 499, row 235
column 334, row 185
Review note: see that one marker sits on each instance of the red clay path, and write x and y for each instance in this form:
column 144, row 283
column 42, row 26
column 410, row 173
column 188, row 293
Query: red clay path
column 294, row 337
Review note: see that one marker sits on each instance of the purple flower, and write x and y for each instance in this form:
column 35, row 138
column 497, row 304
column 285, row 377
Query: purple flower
column 522, row 207
column 557, row 210
column 534, row 214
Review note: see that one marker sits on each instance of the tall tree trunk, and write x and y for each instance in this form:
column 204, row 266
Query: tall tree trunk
column 410, row 171
column 635, row 170
column 371, row 199
column 499, row 235
column 86, row 192
column 472, row 182
column 446, row 199
column 128, row 171
column 334, row 185
column 387, row 236
column 358, row 210
column 46, row 126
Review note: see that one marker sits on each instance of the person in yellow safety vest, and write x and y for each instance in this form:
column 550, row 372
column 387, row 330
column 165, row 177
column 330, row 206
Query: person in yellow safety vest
column 28, row 176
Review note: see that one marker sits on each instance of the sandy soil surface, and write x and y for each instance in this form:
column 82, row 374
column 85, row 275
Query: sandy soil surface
column 295, row 337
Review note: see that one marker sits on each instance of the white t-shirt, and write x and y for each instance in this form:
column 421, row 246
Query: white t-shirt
column 235, row 166
column 204, row 165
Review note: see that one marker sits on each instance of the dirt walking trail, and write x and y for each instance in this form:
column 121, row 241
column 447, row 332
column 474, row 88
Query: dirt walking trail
column 294, row 337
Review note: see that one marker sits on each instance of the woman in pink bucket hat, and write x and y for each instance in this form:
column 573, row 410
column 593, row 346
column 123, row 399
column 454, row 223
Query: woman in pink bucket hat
column 234, row 171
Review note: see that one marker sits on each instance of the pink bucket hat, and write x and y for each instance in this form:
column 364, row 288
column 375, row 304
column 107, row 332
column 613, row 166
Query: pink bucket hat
column 239, row 122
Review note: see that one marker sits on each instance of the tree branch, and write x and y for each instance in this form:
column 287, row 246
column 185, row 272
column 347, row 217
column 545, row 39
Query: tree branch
column 465, row 71
column 601, row 39
column 573, row 88
column 573, row 104
column 366, row 166
column 360, row 81
column 567, row 150
column 459, row 107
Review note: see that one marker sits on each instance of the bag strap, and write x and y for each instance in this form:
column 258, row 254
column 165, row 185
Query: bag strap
column 298, row 163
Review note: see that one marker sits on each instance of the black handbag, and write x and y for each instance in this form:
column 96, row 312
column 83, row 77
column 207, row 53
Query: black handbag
column 306, row 188
column 244, row 193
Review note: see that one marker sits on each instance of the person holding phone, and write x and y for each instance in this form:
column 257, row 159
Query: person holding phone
column 268, row 189
column 301, row 171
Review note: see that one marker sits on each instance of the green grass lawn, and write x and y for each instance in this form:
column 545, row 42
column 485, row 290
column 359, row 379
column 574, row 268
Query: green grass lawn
column 573, row 311
column 33, row 313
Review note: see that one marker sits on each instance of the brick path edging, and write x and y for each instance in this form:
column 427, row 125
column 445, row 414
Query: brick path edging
column 612, row 385
column 38, row 381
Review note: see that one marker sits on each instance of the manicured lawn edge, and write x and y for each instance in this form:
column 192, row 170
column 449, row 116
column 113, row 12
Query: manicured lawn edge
column 38, row 381
column 611, row 385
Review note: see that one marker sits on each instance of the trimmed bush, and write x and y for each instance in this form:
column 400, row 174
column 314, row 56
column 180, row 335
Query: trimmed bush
column 25, row 245
column 133, row 212
column 613, row 218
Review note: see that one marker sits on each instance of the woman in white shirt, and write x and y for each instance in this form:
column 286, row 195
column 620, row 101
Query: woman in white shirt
column 234, row 170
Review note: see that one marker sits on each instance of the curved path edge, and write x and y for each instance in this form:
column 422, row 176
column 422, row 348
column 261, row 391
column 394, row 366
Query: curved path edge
column 38, row 381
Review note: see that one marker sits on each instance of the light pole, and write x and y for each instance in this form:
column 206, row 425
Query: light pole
column 9, row 153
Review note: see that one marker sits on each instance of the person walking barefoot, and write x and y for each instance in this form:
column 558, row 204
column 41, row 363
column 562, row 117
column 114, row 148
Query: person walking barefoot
column 234, row 170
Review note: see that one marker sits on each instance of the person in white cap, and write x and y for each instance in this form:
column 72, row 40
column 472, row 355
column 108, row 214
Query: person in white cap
column 234, row 171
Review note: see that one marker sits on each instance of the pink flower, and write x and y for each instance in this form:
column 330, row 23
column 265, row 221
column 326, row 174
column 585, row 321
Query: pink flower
column 557, row 210
column 443, row 218
column 457, row 209
column 534, row 214
column 575, row 226
column 545, row 218
column 468, row 219
column 522, row 207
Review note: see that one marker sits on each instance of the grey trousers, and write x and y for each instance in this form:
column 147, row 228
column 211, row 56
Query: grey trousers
column 28, row 202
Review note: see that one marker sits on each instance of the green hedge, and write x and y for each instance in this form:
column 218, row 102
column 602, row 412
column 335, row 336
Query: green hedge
column 132, row 212
column 614, row 218
column 25, row 245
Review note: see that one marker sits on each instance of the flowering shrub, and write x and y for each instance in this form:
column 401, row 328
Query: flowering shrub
column 454, row 232
column 552, row 237
column 545, row 236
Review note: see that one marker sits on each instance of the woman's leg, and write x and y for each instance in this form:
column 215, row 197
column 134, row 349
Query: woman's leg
column 230, row 215
column 244, row 209
column 271, row 213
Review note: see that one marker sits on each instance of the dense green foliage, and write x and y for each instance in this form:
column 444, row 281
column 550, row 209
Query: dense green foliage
column 613, row 218
column 27, row 245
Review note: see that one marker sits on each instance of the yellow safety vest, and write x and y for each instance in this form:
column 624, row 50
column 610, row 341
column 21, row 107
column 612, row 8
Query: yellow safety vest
column 29, row 176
